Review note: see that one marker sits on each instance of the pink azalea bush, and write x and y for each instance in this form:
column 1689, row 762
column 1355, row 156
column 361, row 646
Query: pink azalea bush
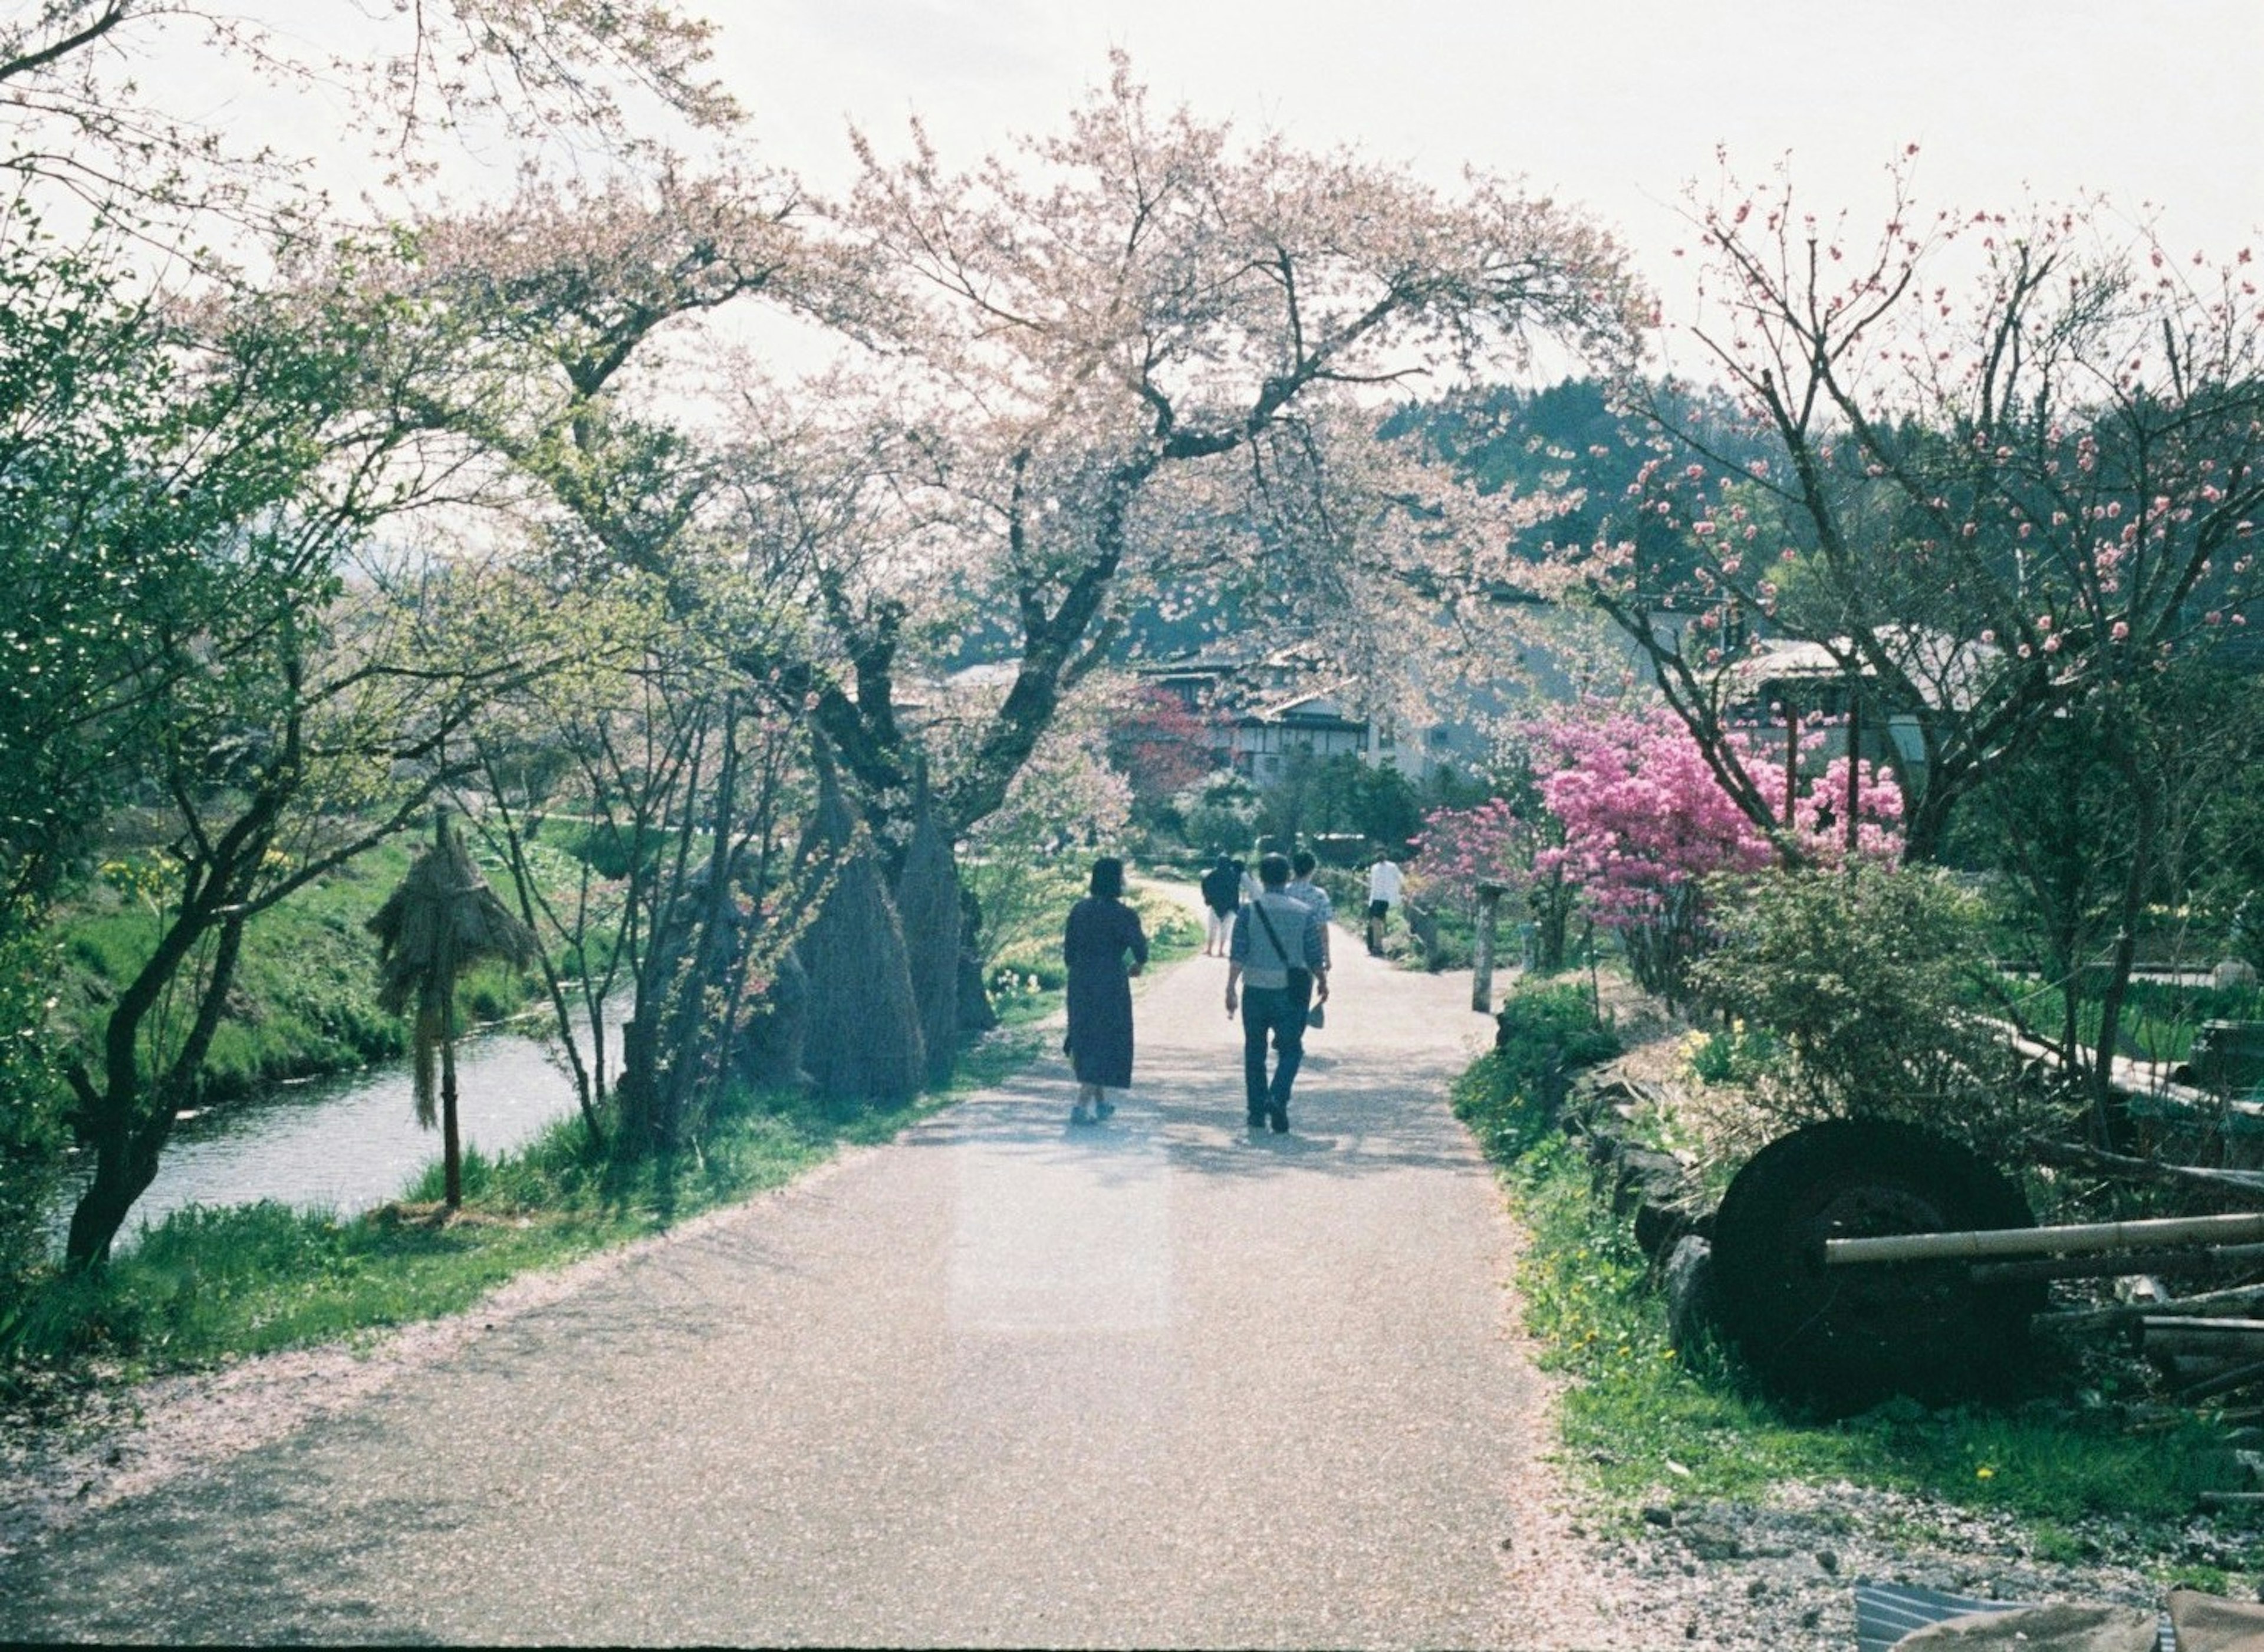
column 1646, row 820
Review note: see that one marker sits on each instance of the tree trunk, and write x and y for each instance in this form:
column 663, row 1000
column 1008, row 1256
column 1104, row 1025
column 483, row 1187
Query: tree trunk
column 452, row 1147
column 2106, row 1126
column 522, row 879
column 708, row 962
column 120, row 1178
column 125, row 1158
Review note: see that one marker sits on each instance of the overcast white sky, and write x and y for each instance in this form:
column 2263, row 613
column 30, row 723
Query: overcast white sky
column 1610, row 103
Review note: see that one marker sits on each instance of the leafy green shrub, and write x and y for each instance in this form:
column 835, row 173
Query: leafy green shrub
column 1559, row 1019
column 1219, row 816
column 1865, row 979
column 1738, row 1055
column 31, row 1109
column 1506, row 1096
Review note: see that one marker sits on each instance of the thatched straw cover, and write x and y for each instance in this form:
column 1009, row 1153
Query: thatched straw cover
column 440, row 920
column 863, row 1042
column 927, row 904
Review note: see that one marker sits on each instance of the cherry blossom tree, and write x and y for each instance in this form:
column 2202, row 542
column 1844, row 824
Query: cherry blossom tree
column 2021, row 462
column 78, row 111
column 1461, row 849
column 1159, row 349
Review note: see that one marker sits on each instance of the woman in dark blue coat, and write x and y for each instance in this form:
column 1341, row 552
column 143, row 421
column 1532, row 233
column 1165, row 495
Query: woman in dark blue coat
column 1103, row 947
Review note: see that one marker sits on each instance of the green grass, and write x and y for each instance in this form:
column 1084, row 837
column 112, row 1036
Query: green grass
column 1636, row 1409
column 209, row 1283
column 2159, row 1017
column 1643, row 1425
column 304, row 1001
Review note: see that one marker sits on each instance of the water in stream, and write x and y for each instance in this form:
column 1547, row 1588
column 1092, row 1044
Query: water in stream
column 351, row 1141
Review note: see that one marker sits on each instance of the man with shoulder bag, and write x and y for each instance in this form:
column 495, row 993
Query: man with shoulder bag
column 1301, row 889
column 1275, row 934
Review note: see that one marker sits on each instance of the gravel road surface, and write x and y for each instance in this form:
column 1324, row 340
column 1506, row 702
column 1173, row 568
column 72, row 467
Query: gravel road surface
column 1157, row 1383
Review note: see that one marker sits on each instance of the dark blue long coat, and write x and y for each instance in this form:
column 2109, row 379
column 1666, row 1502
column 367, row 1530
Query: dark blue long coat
column 1100, row 934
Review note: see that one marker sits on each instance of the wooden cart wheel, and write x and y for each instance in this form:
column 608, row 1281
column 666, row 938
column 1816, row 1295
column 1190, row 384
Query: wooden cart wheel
column 1845, row 1337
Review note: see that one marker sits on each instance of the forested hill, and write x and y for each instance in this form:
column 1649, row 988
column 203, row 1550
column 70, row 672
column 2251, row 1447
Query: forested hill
column 1570, row 440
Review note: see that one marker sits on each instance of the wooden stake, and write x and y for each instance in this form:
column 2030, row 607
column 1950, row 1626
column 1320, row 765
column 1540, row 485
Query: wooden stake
column 1791, row 762
column 1855, row 739
column 1482, row 976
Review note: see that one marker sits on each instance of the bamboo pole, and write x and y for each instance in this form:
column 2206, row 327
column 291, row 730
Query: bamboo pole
column 2238, row 1377
column 2243, row 1296
column 2115, row 1266
column 2080, row 1239
column 2165, row 1336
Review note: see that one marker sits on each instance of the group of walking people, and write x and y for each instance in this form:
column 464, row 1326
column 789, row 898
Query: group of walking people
column 1271, row 929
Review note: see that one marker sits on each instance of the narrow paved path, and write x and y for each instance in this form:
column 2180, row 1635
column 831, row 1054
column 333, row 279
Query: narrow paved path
column 1158, row 1383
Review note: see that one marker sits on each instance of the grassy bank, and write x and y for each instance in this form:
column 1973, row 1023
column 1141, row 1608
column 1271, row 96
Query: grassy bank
column 209, row 1285
column 1644, row 1427
column 304, row 1002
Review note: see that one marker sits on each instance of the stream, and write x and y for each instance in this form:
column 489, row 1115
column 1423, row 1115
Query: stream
column 348, row 1142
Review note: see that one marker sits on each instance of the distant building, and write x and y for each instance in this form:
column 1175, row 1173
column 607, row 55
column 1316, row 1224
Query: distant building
column 1810, row 681
column 1269, row 707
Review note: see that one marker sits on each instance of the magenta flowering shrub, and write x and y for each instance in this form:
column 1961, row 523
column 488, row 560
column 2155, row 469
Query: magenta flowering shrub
column 1644, row 821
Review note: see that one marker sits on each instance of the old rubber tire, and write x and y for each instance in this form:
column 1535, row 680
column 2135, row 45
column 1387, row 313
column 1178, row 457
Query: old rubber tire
column 1842, row 1338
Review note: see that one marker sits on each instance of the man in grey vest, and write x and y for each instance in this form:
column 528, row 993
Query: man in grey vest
column 1275, row 934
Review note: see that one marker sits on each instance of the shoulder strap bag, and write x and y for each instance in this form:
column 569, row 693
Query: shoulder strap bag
column 1314, row 1015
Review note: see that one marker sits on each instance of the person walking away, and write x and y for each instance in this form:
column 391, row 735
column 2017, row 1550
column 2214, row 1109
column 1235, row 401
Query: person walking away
column 1222, row 894
column 1384, row 885
column 1103, row 947
column 1251, row 887
column 1273, row 935
column 1302, row 889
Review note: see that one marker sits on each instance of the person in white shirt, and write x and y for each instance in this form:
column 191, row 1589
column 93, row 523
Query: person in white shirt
column 1383, row 883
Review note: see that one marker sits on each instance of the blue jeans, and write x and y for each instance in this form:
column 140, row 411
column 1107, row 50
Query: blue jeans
column 1273, row 1009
